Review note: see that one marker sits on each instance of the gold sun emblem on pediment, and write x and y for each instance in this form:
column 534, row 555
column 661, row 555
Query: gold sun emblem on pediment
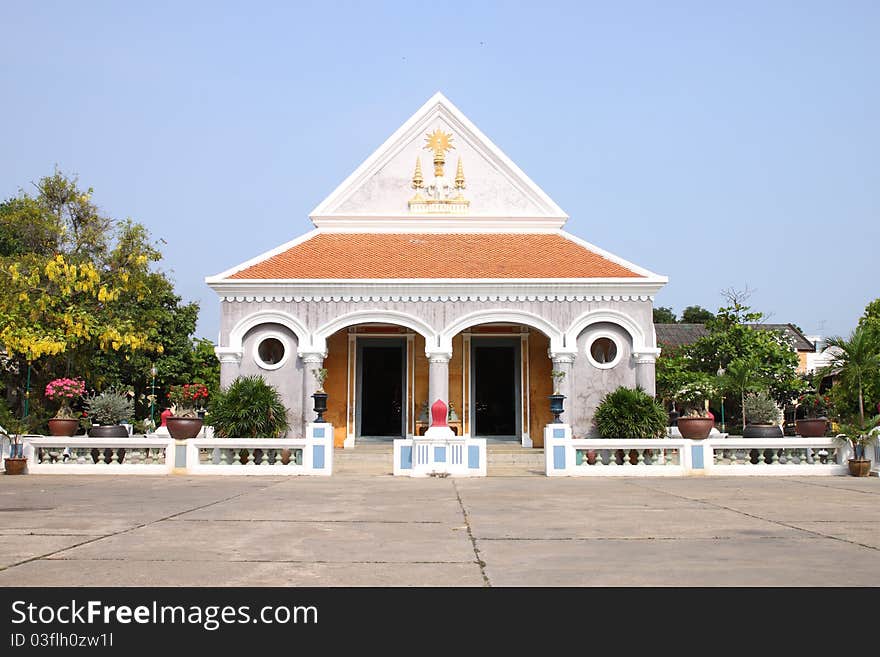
column 438, row 141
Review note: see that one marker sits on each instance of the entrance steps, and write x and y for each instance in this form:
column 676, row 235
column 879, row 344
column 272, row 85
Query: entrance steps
column 503, row 460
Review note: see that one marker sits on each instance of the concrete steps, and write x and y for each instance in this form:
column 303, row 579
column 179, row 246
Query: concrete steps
column 503, row 460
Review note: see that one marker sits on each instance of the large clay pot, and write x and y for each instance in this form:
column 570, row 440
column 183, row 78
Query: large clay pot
column 184, row 428
column 762, row 431
column 17, row 466
column 695, row 428
column 857, row 467
column 63, row 426
column 814, row 427
column 108, row 431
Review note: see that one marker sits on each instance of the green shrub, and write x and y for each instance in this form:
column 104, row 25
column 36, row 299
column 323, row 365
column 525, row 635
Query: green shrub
column 760, row 408
column 249, row 408
column 630, row 413
column 109, row 407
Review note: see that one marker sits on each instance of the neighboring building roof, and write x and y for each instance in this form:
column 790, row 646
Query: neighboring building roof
column 435, row 256
column 797, row 339
column 676, row 335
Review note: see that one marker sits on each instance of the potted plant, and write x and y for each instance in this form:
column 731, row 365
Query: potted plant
column 815, row 422
column 66, row 421
column 107, row 411
column 762, row 416
column 186, row 400
column 556, row 399
column 629, row 413
column 695, row 421
column 859, row 434
column 11, row 428
column 250, row 408
column 320, row 396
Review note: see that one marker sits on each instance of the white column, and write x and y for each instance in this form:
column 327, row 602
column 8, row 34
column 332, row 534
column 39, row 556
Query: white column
column 438, row 376
column 563, row 362
column 645, row 378
column 230, row 364
column 312, row 362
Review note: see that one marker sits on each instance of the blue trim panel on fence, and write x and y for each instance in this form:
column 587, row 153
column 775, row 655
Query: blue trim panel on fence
column 697, row 457
column 473, row 457
column 318, row 457
column 406, row 457
column 439, row 455
column 318, row 432
column 559, row 457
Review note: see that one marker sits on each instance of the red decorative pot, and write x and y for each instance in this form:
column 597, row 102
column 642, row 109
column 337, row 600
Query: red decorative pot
column 695, row 428
column 63, row 427
column 811, row 427
column 183, row 428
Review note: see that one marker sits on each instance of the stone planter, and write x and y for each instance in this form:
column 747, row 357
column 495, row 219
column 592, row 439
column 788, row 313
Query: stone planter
column 695, row 428
column 183, row 428
column 63, row 426
column 556, row 406
column 813, row 427
column 320, row 405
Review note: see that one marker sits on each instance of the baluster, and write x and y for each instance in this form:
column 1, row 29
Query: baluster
column 265, row 459
column 102, row 460
column 774, row 459
column 731, row 453
column 114, row 457
column 661, row 457
column 250, row 457
column 641, row 459
column 236, row 457
column 223, row 459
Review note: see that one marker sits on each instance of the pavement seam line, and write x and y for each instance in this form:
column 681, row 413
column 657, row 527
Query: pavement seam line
column 470, row 533
column 125, row 531
column 756, row 517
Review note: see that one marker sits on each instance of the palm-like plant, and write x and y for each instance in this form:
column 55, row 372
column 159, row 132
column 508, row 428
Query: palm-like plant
column 249, row 408
column 742, row 377
column 853, row 359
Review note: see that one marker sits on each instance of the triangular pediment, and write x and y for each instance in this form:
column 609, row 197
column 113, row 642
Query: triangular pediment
column 494, row 187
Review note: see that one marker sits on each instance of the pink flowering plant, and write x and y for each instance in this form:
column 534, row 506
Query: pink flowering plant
column 65, row 391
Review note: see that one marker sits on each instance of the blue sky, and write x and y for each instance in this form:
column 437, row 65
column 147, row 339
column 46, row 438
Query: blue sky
column 721, row 144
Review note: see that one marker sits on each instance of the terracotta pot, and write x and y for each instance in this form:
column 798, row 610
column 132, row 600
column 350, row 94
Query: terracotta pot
column 695, row 428
column 813, row 427
column 857, row 467
column 63, row 426
column 183, row 428
column 15, row 466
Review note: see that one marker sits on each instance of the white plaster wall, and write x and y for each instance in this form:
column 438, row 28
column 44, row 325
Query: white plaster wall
column 388, row 191
column 287, row 379
column 590, row 384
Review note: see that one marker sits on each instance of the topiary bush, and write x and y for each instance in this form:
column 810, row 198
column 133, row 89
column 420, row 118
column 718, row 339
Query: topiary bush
column 630, row 413
column 249, row 408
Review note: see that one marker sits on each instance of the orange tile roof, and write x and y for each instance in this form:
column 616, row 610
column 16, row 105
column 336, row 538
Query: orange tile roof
column 420, row 255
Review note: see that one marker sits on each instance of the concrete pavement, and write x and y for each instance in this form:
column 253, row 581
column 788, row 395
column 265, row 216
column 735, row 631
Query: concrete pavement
column 353, row 530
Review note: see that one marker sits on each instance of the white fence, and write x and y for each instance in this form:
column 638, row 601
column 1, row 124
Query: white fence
column 157, row 455
column 83, row 455
column 312, row 455
column 421, row 456
column 786, row 456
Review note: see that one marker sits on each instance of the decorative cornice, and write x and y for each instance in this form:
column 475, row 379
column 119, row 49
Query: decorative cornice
column 563, row 357
column 438, row 356
column 442, row 298
column 646, row 357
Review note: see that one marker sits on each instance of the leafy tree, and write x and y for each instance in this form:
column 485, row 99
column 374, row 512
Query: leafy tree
column 664, row 315
column 695, row 315
column 856, row 360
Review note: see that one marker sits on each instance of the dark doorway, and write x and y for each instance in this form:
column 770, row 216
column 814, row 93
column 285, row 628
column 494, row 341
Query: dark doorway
column 496, row 388
column 381, row 383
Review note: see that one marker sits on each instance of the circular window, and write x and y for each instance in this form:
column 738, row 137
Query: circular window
column 604, row 352
column 270, row 353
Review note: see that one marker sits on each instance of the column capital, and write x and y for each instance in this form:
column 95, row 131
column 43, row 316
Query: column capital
column 313, row 357
column 646, row 356
column 561, row 357
column 228, row 354
column 438, row 356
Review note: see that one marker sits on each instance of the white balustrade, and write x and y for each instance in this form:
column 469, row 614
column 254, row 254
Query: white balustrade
column 83, row 455
column 786, row 456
